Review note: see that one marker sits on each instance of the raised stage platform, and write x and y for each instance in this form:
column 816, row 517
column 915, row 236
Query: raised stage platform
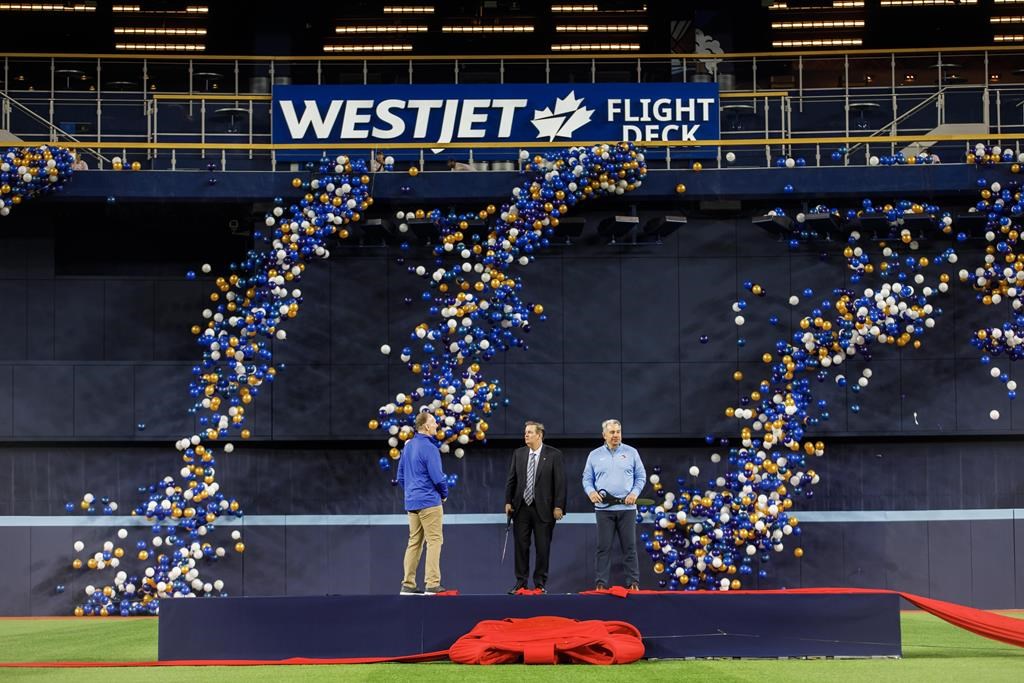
column 800, row 623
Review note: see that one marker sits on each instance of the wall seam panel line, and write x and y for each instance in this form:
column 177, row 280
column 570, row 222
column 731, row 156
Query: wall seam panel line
column 840, row 516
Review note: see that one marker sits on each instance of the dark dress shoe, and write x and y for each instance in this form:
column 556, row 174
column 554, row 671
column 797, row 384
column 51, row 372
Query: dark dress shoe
column 515, row 589
column 541, row 588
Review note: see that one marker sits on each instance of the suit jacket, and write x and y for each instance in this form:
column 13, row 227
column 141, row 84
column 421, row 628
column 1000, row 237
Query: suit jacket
column 549, row 488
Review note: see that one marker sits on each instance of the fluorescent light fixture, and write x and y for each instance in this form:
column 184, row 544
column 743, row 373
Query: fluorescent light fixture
column 408, row 9
column 368, row 48
column 48, row 7
column 577, row 8
column 1009, row 39
column 819, row 42
column 161, row 47
column 838, row 4
column 1006, row 20
column 119, row 30
column 828, row 23
column 594, row 47
column 926, row 3
column 190, row 9
column 349, row 30
column 521, row 28
column 601, row 28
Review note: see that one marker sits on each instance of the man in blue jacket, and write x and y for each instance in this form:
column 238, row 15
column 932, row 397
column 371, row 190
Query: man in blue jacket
column 613, row 478
column 426, row 487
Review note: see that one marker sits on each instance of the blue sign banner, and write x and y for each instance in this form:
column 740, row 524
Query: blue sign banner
column 438, row 115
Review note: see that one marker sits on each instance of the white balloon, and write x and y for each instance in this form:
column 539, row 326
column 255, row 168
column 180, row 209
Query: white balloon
column 994, row 414
column 385, row 349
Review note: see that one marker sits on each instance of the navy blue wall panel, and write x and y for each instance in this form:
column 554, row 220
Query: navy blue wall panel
column 651, row 398
column 78, row 319
column 14, row 340
column 104, row 401
column 349, row 412
column 903, row 550
column 358, row 296
column 700, row 382
column 863, row 565
column 162, row 400
column 593, row 310
column 992, row 568
column 6, row 403
column 309, row 333
column 950, row 576
column 650, row 334
column 593, row 394
column 536, row 391
column 178, row 306
column 706, row 292
column 44, row 404
column 302, row 405
column 15, row 574
column 129, row 320
column 41, row 323
column 543, row 283
column 1018, row 560
column 922, row 407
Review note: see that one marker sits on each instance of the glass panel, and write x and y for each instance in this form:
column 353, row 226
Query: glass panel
column 121, row 75
column 168, row 76
column 564, row 71
column 213, row 77
column 433, row 72
column 254, row 77
column 525, row 72
column 347, row 72
column 616, row 71
column 479, row 72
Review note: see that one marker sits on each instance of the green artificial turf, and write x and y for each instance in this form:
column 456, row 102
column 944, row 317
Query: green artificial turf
column 932, row 651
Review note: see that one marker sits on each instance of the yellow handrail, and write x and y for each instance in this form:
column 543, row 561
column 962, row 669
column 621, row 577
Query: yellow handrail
column 196, row 96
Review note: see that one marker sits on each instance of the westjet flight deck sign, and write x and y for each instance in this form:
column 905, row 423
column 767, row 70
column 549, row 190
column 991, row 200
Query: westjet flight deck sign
column 437, row 115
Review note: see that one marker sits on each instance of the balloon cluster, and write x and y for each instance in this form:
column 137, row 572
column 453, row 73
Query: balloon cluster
column 901, row 159
column 1000, row 278
column 248, row 313
column 473, row 294
column 709, row 534
column 27, row 172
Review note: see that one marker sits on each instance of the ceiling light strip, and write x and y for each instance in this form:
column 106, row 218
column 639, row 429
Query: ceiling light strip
column 601, row 28
column 368, row 48
column 593, row 47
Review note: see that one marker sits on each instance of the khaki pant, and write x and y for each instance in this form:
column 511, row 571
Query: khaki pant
column 424, row 524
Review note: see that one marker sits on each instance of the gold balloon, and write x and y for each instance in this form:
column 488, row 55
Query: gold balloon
column 697, row 166
column 136, row 166
column 413, row 171
column 680, row 188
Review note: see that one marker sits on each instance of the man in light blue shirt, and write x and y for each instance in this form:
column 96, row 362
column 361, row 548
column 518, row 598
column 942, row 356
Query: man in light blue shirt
column 613, row 478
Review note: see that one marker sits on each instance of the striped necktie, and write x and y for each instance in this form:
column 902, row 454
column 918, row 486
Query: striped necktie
column 531, row 478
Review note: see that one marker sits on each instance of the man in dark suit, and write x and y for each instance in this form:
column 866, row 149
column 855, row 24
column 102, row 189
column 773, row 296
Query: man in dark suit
column 535, row 496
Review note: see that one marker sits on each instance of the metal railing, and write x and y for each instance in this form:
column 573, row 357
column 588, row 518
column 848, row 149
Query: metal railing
column 214, row 93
